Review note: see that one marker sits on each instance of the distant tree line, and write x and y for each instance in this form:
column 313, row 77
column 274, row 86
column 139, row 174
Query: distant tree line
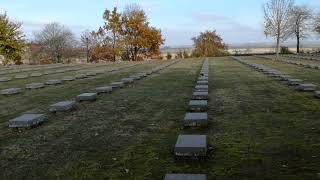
column 125, row 35
column 284, row 20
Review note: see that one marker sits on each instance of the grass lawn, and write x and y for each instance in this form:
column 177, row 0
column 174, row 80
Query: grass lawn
column 258, row 129
column 306, row 74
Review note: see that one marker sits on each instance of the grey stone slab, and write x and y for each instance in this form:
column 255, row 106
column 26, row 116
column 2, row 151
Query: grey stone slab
column 127, row 80
column 185, row 177
column 202, row 87
column 36, row 75
column 317, row 94
column 21, row 76
column 191, row 146
column 5, row 79
column 136, row 77
column 104, row 89
column 200, row 95
column 48, row 72
column 195, row 120
column 87, row 97
column 143, row 74
column 202, row 82
column 198, row 105
column 11, row 91
column 60, row 71
column 62, row 106
column 91, row 73
column 35, row 86
column 117, row 85
column 68, row 78
column 81, row 76
column 294, row 82
column 53, row 82
column 285, row 77
column 203, row 78
column 27, row 120
column 306, row 87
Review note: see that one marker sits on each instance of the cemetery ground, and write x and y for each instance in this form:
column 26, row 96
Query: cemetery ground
column 258, row 128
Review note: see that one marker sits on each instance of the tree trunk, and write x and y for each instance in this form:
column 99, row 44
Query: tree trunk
column 114, row 46
column 278, row 47
column 298, row 42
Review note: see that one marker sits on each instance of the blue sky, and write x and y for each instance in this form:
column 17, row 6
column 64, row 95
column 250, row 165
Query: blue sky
column 237, row 21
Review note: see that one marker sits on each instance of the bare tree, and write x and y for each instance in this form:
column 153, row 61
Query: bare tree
column 55, row 38
column 300, row 19
column 88, row 40
column 317, row 24
column 277, row 20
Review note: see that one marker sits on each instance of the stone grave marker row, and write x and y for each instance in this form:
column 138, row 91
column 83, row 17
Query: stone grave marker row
column 29, row 120
column 58, row 81
column 297, row 84
column 188, row 145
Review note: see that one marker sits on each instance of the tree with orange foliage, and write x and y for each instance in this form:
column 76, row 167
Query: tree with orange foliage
column 127, row 34
column 209, row 44
column 111, row 32
column 139, row 36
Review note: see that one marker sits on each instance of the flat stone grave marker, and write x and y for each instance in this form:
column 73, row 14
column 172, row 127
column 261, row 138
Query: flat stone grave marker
column 104, row 89
column 203, row 78
column 306, row 87
column 26, row 120
column 285, row 77
column 91, row 73
column 202, row 87
column 100, row 72
column 62, row 106
column 294, row 82
column 5, row 79
column 68, row 78
column 60, row 71
column 191, row 146
column 53, row 82
column 11, row 91
column 185, row 177
column 36, row 75
column 117, row 85
column 200, row 95
column 127, row 80
column 317, row 94
column 143, row 74
column 135, row 77
column 48, row 72
column 87, row 97
column 21, row 76
column 14, row 71
column 80, row 76
column 195, row 120
column 198, row 105
column 202, row 82
column 35, row 86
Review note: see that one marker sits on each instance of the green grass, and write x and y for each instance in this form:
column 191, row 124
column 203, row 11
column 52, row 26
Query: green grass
column 258, row 129
column 39, row 100
column 306, row 74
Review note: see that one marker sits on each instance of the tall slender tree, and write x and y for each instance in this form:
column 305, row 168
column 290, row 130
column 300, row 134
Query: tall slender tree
column 111, row 31
column 317, row 24
column 300, row 18
column 88, row 41
column 12, row 42
column 277, row 20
